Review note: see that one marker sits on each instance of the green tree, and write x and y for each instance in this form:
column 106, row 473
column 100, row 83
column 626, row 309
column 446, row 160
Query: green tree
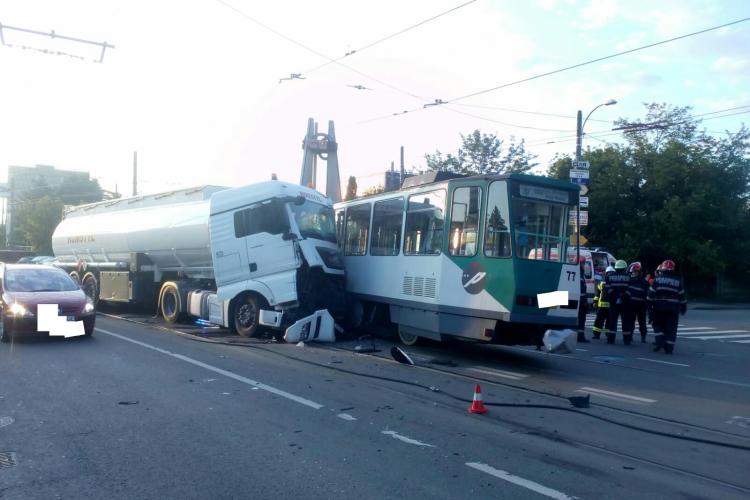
column 373, row 190
column 77, row 191
column 672, row 191
column 351, row 188
column 483, row 154
column 37, row 219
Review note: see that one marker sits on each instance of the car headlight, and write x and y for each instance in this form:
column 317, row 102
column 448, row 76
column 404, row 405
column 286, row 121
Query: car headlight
column 17, row 309
column 89, row 307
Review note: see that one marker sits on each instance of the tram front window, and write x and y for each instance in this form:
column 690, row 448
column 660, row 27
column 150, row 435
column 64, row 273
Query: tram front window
column 539, row 230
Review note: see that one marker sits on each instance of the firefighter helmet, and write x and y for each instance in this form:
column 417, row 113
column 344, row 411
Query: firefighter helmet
column 667, row 265
column 620, row 265
column 609, row 270
column 635, row 267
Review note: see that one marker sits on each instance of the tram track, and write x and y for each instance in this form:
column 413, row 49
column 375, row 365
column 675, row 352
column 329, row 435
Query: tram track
column 570, row 440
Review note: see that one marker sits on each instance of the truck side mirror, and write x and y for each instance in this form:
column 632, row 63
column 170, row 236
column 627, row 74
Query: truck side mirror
column 299, row 200
column 289, row 236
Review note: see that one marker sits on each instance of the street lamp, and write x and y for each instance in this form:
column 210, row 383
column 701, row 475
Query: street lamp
column 579, row 140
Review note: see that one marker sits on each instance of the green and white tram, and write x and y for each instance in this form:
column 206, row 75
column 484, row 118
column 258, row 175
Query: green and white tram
column 461, row 257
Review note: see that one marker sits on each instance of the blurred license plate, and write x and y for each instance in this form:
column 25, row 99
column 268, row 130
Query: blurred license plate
column 71, row 318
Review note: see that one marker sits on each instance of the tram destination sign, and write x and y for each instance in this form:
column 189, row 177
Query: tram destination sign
column 543, row 193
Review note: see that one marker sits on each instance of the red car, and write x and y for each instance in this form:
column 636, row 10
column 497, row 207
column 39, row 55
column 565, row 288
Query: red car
column 25, row 286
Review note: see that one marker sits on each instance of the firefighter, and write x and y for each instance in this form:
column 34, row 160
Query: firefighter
column 602, row 306
column 666, row 302
column 582, row 304
column 635, row 305
column 615, row 286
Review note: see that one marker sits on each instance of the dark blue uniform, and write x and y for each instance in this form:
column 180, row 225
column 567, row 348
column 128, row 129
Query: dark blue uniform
column 615, row 286
column 666, row 301
column 635, row 307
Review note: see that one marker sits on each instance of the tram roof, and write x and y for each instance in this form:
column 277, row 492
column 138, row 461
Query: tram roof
column 455, row 178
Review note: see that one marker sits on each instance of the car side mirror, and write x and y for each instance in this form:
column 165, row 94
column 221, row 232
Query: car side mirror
column 289, row 236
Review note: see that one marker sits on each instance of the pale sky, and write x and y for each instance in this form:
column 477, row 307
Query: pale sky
column 193, row 86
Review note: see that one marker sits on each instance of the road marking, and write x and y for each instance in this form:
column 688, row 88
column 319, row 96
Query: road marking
column 697, row 328
column 743, row 422
column 584, row 350
column 718, row 381
column 717, row 337
column 519, row 481
column 713, row 332
column 405, row 439
column 498, row 373
column 234, row 376
column 662, row 362
column 741, row 341
column 615, row 395
column 346, row 416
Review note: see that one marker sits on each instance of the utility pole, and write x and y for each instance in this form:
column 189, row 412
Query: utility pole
column 579, row 140
column 135, row 173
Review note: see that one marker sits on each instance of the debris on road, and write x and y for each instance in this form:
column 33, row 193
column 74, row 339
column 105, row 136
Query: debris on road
column 319, row 327
column 401, row 356
column 560, row 341
column 128, row 403
column 580, row 401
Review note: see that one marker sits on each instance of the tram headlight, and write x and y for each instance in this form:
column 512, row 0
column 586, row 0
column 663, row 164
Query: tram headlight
column 331, row 257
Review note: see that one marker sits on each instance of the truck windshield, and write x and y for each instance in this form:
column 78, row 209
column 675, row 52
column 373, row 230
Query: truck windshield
column 315, row 221
column 539, row 230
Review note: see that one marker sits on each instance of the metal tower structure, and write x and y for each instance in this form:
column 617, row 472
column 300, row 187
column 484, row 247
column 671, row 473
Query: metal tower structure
column 318, row 145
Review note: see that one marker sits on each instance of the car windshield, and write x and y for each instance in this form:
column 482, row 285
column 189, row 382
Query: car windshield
column 38, row 280
column 315, row 221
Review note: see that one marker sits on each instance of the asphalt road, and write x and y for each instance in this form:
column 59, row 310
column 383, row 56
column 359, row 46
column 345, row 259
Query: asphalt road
column 140, row 412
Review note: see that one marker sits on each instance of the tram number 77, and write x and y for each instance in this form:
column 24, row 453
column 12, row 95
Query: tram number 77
column 571, row 275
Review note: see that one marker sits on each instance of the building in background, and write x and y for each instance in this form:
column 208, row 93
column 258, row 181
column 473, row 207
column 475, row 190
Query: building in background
column 24, row 183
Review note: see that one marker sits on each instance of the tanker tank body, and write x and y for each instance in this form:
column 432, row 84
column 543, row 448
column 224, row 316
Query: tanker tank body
column 238, row 257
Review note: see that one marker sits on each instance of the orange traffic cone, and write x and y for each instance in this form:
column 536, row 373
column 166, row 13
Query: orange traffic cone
column 477, row 405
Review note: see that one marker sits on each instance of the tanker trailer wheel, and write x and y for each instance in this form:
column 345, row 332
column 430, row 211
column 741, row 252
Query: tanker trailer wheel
column 171, row 303
column 90, row 287
column 245, row 315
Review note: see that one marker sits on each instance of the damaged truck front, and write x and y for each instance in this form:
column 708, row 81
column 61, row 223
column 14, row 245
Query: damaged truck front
column 243, row 258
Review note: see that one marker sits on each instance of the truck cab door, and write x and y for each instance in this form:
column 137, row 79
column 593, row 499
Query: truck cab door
column 269, row 252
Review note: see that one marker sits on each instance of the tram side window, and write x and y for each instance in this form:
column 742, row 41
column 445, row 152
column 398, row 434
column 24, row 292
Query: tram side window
column 357, row 229
column 497, row 232
column 424, row 223
column 464, row 230
column 387, row 218
column 340, row 227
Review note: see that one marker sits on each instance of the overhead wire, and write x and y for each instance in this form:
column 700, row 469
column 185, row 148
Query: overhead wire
column 370, row 77
column 568, row 68
column 388, row 37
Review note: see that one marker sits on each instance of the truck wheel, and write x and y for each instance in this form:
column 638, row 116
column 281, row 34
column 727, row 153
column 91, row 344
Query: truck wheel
column 90, row 287
column 171, row 303
column 407, row 338
column 246, row 316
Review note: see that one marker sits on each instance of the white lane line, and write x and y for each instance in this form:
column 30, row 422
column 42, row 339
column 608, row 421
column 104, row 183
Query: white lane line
column 584, row 350
column 712, row 332
column 405, row 439
column 740, row 341
column 615, row 395
column 519, row 481
column 662, row 362
column 498, row 373
column 717, row 337
column 346, row 416
column 234, row 376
